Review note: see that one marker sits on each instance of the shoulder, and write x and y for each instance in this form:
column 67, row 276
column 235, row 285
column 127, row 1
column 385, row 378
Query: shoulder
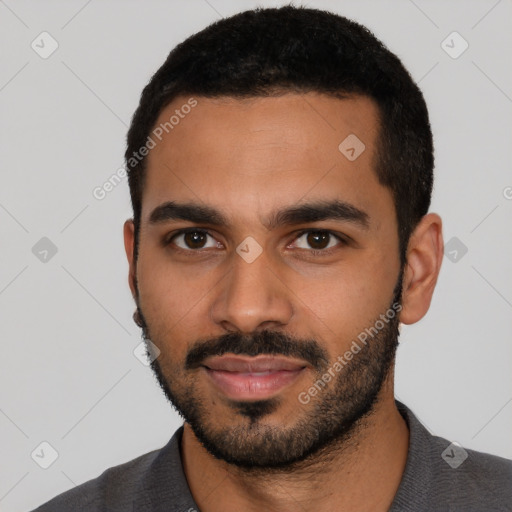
column 117, row 485
column 441, row 475
column 153, row 481
column 485, row 477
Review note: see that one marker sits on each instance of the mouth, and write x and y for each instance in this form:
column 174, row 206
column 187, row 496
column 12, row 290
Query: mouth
column 253, row 378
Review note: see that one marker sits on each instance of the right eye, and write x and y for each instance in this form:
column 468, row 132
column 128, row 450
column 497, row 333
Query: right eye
column 191, row 240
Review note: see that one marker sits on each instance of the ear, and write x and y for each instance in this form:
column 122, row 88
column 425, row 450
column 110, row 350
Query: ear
column 424, row 258
column 129, row 245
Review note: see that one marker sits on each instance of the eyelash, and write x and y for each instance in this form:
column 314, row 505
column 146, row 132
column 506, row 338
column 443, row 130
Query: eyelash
column 315, row 252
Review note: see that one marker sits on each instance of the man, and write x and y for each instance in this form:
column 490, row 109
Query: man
column 280, row 169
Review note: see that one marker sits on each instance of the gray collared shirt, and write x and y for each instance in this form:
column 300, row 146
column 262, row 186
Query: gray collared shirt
column 438, row 477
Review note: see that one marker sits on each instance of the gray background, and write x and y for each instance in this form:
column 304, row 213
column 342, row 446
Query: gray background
column 68, row 375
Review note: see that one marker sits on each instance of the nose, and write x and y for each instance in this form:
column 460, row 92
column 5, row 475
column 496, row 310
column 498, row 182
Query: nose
column 251, row 297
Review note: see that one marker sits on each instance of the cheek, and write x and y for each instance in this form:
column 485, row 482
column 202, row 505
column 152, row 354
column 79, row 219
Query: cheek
column 343, row 303
column 170, row 288
column 339, row 306
column 374, row 287
column 172, row 300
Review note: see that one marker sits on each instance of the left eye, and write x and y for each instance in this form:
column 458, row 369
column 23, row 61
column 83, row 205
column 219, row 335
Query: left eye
column 318, row 240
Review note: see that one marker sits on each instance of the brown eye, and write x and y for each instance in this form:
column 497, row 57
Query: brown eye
column 192, row 240
column 318, row 241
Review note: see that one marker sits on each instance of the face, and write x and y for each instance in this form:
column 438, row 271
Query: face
column 268, row 273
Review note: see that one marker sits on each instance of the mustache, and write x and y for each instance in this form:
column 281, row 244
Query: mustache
column 263, row 342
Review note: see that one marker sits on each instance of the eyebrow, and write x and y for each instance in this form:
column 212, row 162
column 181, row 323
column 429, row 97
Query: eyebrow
column 335, row 210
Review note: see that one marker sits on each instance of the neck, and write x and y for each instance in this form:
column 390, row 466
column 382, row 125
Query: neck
column 361, row 473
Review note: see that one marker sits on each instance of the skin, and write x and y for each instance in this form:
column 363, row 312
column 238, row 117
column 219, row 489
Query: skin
column 248, row 158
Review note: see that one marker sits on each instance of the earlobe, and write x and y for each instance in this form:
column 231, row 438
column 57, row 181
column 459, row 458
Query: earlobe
column 424, row 258
column 129, row 242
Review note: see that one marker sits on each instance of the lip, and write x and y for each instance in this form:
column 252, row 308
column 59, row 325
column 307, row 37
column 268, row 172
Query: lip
column 253, row 378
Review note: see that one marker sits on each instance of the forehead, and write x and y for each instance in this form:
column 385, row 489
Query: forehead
column 243, row 155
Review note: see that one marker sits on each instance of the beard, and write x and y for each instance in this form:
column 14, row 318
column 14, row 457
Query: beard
column 332, row 419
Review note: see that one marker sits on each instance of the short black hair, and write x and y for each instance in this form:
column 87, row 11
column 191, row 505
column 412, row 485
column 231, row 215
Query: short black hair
column 268, row 51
